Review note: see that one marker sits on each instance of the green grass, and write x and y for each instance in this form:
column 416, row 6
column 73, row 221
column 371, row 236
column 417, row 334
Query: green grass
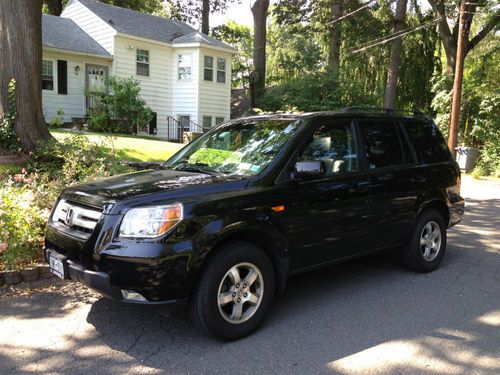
column 129, row 147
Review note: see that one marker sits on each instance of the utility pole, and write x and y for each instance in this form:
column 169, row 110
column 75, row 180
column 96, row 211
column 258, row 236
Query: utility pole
column 459, row 74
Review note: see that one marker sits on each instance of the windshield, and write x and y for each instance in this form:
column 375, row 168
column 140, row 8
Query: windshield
column 243, row 148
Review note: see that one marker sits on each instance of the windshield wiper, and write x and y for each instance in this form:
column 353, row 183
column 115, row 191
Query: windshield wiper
column 193, row 168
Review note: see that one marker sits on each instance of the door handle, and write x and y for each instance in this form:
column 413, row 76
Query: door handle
column 418, row 179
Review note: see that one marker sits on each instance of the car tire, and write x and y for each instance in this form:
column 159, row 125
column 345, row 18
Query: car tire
column 426, row 247
column 235, row 291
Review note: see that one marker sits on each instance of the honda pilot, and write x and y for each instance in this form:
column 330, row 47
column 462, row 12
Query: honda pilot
column 224, row 222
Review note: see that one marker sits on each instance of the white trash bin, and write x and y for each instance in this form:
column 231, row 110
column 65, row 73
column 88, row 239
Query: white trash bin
column 466, row 157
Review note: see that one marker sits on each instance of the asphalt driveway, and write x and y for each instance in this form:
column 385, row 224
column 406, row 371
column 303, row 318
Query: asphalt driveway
column 366, row 317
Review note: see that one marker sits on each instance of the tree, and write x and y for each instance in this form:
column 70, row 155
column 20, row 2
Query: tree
column 449, row 35
column 395, row 59
column 55, row 7
column 258, row 76
column 337, row 9
column 196, row 11
column 239, row 37
column 20, row 59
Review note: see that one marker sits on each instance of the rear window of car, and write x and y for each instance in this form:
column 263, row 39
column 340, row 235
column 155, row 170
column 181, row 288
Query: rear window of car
column 428, row 143
column 382, row 144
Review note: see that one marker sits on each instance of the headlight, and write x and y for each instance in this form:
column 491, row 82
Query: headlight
column 150, row 222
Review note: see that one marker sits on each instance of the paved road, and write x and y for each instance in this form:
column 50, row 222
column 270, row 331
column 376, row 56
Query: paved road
column 366, row 317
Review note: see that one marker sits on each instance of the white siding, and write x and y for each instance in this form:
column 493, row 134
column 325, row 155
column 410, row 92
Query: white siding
column 73, row 103
column 156, row 89
column 186, row 92
column 89, row 22
column 214, row 97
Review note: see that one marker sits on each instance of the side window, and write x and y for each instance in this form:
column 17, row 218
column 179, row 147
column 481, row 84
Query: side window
column 427, row 141
column 47, row 75
column 382, row 145
column 184, row 67
column 142, row 62
column 335, row 145
column 208, row 68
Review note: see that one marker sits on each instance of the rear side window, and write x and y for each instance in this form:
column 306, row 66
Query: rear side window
column 382, row 144
column 429, row 145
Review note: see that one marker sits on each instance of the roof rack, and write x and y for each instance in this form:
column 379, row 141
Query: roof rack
column 414, row 112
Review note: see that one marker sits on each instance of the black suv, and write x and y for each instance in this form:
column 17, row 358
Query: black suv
column 224, row 222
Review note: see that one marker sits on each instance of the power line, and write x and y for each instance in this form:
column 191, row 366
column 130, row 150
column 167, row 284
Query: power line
column 353, row 12
column 398, row 33
column 364, row 46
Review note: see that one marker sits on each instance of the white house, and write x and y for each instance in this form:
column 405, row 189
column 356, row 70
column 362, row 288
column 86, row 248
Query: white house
column 185, row 75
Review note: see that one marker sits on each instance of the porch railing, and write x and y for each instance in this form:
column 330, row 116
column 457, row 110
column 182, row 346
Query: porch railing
column 176, row 128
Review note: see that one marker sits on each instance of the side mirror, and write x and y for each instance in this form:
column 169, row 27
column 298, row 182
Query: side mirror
column 309, row 170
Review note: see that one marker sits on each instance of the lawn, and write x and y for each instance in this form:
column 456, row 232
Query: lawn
column 129, row 147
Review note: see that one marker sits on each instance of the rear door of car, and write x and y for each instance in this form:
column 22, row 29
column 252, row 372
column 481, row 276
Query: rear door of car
column 395, row 183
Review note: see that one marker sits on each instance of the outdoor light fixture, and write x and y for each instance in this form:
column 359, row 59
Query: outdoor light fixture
column 77, row 69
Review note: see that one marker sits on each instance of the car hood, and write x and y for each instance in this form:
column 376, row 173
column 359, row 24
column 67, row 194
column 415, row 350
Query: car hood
column 150, row 182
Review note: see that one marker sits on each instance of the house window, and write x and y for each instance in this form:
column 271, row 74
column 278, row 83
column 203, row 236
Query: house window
column 184, row 67
column 219, row 120
column 142, row 62
column 208, row 71
column 221, row 70
column 47, row 75
column 207, row 122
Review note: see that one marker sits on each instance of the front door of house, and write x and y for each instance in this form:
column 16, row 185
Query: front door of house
column 95, row 80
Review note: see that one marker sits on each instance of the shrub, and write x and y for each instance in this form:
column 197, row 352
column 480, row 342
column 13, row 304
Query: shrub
column 58, row 120
column 118, row 107
column 486, row 131
column 27, row 196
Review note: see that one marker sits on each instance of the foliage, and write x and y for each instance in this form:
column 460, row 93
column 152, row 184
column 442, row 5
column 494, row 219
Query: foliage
column 144, row 6
column 26, row 198
column 239, row 37
column 58, row 120
column 8, row 138
column 22, row 222
column 487, row 129
column 190, row 10
column 118, row 107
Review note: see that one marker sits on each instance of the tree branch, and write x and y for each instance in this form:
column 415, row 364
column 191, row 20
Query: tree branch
column 444, row 28
column 493, row 23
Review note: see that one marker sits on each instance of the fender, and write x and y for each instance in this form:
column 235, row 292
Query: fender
column 260, row 229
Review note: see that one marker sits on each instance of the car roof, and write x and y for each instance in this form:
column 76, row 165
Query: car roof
column 344, row 113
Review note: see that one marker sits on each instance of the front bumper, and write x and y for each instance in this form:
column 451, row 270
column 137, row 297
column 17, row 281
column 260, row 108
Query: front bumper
column 100, row 281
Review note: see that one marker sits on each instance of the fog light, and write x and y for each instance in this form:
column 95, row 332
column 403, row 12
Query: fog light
column 130, row 295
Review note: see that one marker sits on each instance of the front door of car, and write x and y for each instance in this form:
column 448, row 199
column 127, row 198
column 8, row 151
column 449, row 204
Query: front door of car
column 327, row 217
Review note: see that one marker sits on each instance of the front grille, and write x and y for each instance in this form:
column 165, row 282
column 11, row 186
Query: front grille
column 76, row 217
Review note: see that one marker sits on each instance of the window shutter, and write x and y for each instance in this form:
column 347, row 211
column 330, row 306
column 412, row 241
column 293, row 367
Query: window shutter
column 62, row 77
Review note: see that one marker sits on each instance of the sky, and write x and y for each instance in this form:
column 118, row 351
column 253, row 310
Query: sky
column 238, row 11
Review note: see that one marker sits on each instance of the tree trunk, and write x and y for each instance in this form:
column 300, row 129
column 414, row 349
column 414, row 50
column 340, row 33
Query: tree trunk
column 55, row 7
column 459, row 73
column 395, row 59
column 21, row 59
column 258, row 76
column 205, row 17
column 337, row 8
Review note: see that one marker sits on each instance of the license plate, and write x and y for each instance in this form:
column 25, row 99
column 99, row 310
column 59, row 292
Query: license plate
column 56, row 266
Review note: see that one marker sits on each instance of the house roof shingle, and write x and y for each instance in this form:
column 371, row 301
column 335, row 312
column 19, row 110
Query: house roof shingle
column 147, row 26
column 63, row 33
